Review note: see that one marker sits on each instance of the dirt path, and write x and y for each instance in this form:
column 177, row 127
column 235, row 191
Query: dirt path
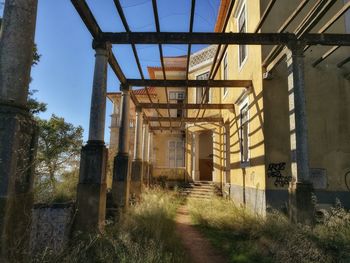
column 197, row 246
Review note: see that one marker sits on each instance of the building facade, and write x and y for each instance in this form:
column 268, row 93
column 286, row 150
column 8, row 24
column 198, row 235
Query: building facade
column 253, row 149
column 249, row 152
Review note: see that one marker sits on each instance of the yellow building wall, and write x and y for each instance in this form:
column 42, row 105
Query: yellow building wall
column 328, row 114
column 251, row 178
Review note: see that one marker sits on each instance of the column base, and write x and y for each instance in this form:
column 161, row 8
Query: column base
column 301, row 206
column 136, row 180
column 145, row 176
column 92, row 188
column 18, row 143
column 121, row 182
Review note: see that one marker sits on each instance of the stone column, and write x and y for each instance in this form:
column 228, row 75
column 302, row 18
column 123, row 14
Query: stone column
column 136, row 168
column 145, row 138
column 121, row 169
column 300, row 191
column 91, row 197
column 18, row 131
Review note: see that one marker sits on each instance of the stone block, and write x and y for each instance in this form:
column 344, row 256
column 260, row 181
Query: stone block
column 18, row 142
column 301, row 205
column 92, row 188
column 136, row 179
column 121, row 181
column 93, row 163
column 91, row 207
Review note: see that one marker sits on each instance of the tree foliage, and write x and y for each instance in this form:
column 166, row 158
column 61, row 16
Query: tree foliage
column 58, row 151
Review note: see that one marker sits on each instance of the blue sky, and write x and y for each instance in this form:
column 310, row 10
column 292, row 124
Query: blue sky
column 64, row 75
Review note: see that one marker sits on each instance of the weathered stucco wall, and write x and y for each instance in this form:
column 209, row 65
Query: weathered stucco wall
column 328, row 113
column 247, row 181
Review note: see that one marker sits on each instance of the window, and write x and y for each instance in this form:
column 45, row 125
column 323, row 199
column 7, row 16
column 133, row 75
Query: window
column 225, row 73
column 242, row 28
column 176, row 154
column 177, row 97
column 200, row 91
column 244, row 132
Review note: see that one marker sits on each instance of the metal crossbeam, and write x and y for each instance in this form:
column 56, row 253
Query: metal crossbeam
column 189, row 83
column 156, row 19
column 189, row 120
column 191, row 106
column 213, row 71
column 224, row 38
column 134, row 50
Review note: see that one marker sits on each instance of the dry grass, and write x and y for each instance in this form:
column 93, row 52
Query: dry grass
column 144, row 234
column 246, row 237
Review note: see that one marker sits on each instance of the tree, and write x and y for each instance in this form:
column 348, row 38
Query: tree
column 33, row 104
column 58, row 151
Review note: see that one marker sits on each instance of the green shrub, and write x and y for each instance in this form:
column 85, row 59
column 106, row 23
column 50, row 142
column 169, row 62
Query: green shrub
column 146, row 233
column 246, row 237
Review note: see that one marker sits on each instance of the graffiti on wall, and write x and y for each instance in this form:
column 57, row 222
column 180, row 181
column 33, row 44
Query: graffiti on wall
column 275, row 171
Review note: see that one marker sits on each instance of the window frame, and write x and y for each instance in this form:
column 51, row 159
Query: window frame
column 244, row 104
column 176, row 112
column 175, row 153
column 225, row 73
column 202, row 89
column 243, row 7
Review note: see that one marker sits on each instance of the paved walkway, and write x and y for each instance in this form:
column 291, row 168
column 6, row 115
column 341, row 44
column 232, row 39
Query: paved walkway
column 197, row 246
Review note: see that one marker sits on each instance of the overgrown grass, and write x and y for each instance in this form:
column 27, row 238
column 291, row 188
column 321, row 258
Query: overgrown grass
column 246, row 237
column 146, row 233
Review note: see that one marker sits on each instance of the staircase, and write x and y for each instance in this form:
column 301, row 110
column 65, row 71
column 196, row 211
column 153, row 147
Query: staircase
column 200, row 190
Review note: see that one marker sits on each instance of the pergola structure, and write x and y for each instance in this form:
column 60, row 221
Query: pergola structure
column 17, row 131
column 296, row 43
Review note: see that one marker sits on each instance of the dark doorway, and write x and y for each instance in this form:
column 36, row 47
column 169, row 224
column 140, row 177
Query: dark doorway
column 206, row 156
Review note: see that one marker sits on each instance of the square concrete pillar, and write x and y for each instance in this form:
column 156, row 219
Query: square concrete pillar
column 92, row 193
column 301, row 207
column 300, row 190
column 18, row 139
column 136, row 180
column 121, row 182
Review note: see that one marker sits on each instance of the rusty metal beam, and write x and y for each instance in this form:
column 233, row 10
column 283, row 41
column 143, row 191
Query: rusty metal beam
column 343, row 62
column 88, row 18
column 265, row 15
column 167, row 128
column 311, row 19
column 133, row 46
column 334, row 19
column 187, row 119
column 224, row 38
column 325, row 55
column 191, row 106
column 91, row 24
column 189, row 83
column 116, row 68
column 193, row 6
column 212, row 72
column 156, row 19
column 198, row 38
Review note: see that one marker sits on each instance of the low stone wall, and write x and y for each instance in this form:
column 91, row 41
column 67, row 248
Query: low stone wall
column 51, row 227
